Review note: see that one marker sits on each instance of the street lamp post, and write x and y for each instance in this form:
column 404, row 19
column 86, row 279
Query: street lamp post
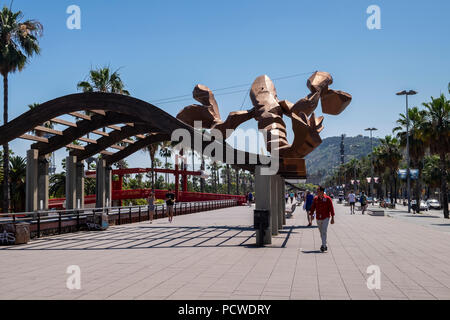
column 408, row 178
column 354, row 167
column 371, row 161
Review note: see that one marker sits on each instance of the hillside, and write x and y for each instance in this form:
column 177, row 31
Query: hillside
column 328, row 154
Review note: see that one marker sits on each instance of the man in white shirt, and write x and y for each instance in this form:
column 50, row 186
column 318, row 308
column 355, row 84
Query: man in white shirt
column 352, row 201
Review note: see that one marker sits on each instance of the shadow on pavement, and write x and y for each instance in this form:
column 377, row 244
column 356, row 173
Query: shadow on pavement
column 145, row 237
column 312, row 251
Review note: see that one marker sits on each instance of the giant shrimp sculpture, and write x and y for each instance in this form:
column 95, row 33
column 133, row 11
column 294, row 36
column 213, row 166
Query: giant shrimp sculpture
column 268, row 111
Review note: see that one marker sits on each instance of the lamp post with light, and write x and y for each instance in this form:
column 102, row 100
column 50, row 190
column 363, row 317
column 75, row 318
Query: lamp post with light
column 371, row 161
column 408, row 178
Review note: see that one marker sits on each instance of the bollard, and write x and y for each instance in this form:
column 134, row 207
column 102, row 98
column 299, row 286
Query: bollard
column 129, row 215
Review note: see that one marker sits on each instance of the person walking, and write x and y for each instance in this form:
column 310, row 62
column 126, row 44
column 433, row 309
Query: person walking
column 363, row 200
column 308, row 203
column 323, row 206
column 352, row 201
column 286, row 197
column 151, row 205
column 170, row 202
column 250, row 199
column 291, row 195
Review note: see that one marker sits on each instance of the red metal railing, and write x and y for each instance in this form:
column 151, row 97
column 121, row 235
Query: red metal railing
column 183, row 196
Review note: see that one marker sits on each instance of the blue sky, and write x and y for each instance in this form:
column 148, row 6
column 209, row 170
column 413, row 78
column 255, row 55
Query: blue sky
column 164, row 48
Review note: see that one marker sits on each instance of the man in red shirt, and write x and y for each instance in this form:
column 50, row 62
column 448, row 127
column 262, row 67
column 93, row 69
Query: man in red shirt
column 323, row 206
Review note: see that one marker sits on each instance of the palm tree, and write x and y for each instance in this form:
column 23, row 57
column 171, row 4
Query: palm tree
column 152, row 149
column 121, row 164
column 417, row 143
column 436, row 132
column 432, row 173
column 57, row 185
column 18, row 173
column 228, row 173
column 193, row 153
column 18, row 43
column 389, row 157
column 202, row 180
column 102, row 80
column 237, row 180
column 165, row 151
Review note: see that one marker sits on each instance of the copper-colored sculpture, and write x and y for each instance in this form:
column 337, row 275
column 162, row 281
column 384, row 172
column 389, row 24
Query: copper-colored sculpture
column 268, row 111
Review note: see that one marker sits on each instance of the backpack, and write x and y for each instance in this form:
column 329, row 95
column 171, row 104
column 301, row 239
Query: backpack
column 363, row 200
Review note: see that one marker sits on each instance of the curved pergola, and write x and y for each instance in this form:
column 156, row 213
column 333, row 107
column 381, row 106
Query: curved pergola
column 132, row 125
column 141, row 119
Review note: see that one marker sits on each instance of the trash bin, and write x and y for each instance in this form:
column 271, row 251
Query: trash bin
column 22, row 233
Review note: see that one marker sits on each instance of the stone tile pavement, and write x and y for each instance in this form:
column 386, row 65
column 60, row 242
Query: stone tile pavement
column 211, row 255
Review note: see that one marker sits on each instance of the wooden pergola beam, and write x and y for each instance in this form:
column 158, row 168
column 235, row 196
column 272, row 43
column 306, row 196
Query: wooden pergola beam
column 115, row 146
column 115, row 128
column 80, row 115
column 64, row 122
column 114, row 138
column 74, row 146
column 48, row 130
column 33, row 138
column 88, row 140
column 83, row 127
column 100, row 133
column 100, row 112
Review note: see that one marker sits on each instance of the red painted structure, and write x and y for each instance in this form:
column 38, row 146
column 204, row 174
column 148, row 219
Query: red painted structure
column 182, row 196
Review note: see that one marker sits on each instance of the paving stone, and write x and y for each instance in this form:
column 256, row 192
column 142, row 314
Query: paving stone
column 205, row 256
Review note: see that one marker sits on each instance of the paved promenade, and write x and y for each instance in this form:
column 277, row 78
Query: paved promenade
column 211, row 255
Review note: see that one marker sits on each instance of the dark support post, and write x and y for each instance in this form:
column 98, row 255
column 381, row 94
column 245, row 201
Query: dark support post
column 262, row 207
column 80, row 185
column 38, row 224
column 32, row 181
column 43, row 184
column 71, row 180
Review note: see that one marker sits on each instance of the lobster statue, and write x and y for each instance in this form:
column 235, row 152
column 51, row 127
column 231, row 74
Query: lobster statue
column 268, row 111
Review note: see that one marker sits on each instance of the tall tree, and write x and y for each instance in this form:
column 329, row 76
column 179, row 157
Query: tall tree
column 103, row 80
column 417, row 144
column 18, row 43
column 152, row 149
column 389, row 156
column 436, row 133
column 165, row 151
column 18, row 170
